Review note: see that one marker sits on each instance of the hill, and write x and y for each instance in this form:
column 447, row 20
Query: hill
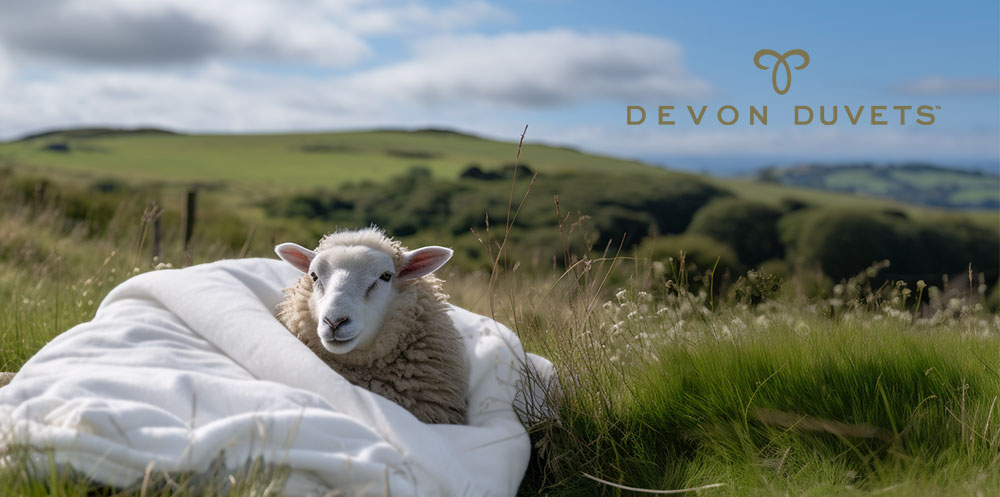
column 93, row 132
column 284, row 161
column 254, row 166
column 914, row 183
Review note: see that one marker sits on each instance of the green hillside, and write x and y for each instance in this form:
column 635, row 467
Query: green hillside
column 252, row 166
column 297, row 160
column 915, row 183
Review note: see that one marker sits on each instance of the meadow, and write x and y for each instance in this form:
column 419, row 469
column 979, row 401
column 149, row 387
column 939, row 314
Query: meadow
column 917, row 183
column 768, row 377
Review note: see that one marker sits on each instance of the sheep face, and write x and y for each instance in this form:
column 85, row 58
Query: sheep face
column 354, row 287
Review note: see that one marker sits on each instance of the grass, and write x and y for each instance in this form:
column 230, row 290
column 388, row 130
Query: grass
column 322, row 159
column 666, row 382
column 244, row 169
column 914, row 183
column 863, row 181
column 852, row 395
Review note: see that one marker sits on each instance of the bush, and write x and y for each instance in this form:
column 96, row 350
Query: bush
column 949, row 248
column 845, row 242
column 618, row 226
column 700, row 252
column 304, row 206
column 750, row 228
column 670, row 203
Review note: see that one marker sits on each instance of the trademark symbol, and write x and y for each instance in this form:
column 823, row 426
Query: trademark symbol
column 938, row 107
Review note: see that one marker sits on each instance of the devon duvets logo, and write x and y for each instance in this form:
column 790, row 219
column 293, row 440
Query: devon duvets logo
column 800, row 114
column 781, row 61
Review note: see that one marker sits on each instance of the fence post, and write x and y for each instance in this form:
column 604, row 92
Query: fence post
column 189, row 220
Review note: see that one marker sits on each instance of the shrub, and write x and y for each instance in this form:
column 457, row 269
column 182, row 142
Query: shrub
column 791, row 204
column 304, row 206
column 750, row 228
column 949, row 248
column 700, row 252
column 618, row 226
column 846, row 242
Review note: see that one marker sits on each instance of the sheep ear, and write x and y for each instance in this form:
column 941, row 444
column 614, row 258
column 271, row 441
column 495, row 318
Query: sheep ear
column 296, row 255
column 423, row 261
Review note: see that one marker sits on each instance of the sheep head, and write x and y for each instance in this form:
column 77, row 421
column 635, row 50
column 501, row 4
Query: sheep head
column 354, row 287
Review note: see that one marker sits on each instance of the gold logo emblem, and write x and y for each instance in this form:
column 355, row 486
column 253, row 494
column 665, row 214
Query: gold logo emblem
column 782, row 60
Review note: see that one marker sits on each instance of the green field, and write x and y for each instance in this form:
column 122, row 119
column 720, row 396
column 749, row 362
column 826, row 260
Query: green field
column 915, row 183
column 678, row 372
column 300, row 160
column 254, row 164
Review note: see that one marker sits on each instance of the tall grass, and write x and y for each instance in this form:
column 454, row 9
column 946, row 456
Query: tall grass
column 769, row 392
column 860, row 392
column 665, row 382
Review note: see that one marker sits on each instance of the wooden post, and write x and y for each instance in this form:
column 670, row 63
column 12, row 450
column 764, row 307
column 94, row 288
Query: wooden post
column 189, row 220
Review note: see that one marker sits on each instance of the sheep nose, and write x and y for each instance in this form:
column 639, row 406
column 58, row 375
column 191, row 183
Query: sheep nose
column 336, row 324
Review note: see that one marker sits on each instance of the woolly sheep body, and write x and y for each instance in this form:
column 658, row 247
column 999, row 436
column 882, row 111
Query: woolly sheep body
column 417, row 358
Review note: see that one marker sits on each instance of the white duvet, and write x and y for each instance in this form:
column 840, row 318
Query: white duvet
column 188, row 368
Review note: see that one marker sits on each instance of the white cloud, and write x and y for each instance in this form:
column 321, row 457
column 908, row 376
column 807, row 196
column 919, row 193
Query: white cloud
column 6, row 71
column 324, row 32
column 212, row 99
column 414, row 18
column 220, row 98
column 452, row 77
column 940, row 85
column 544, row 68
column 182, row 64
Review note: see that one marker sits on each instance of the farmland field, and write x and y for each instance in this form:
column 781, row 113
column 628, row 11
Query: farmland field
column 769, row 376
column 326, row 159
column 917, row 183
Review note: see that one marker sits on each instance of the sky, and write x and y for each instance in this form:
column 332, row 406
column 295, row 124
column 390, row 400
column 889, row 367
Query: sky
column 566, row 68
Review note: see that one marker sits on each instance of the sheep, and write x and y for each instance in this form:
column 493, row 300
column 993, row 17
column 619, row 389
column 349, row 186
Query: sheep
column 373, row 312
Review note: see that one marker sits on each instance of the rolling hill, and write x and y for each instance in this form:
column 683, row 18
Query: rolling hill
column 320, row 159
column 245, row 169
column 914, row 183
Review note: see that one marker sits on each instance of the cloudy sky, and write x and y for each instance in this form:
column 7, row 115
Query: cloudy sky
column 566, row 68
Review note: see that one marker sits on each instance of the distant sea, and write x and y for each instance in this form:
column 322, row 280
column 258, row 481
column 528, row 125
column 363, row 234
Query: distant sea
column 737, row 166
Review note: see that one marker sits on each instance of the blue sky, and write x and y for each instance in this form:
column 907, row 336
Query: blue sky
column 566, row 68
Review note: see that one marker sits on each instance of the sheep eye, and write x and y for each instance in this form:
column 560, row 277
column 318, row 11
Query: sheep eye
column 313, row 276
column 386, row 276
